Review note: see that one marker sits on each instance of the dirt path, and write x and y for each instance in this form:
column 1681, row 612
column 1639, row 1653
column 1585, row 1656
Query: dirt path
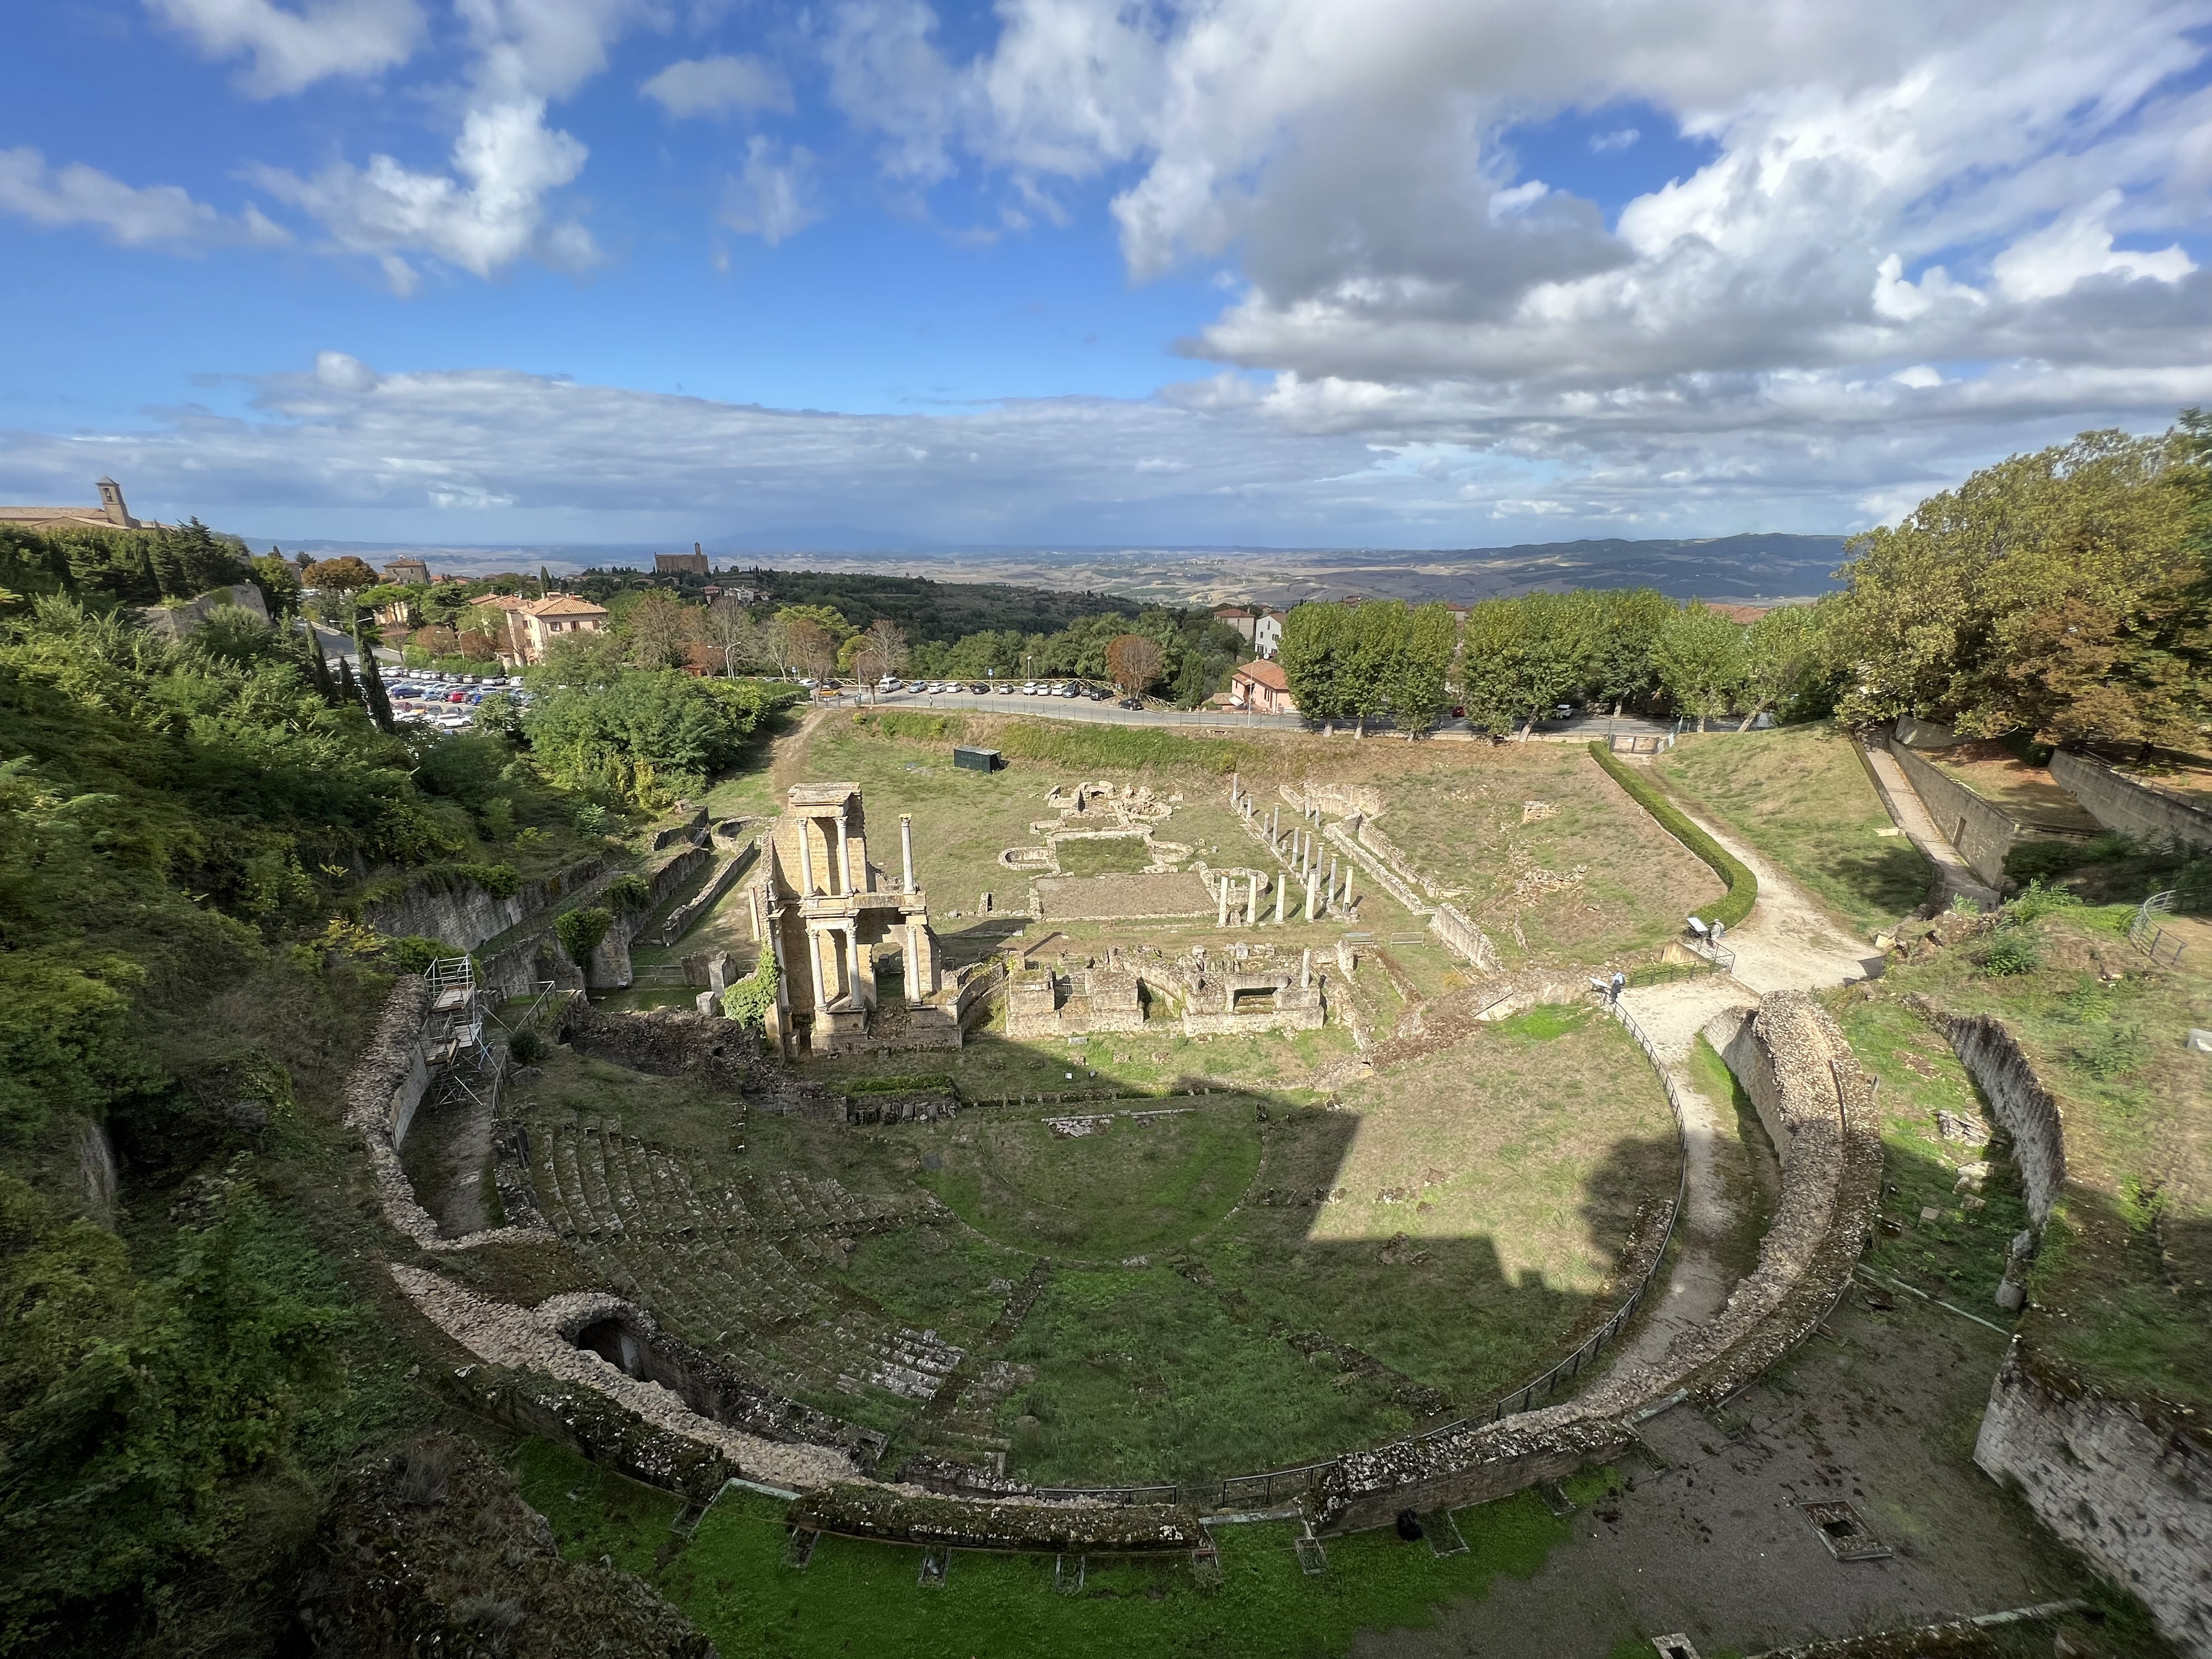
column 1719, row 1166
column 1787, row 943
column 786, row 752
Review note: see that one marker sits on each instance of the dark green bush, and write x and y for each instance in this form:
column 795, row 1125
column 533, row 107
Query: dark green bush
column 2007, row 956
column 626, row 894
column 1742, row 885
column 526, row 1047
column 414, row 953
column 580, row 931
column 500, row 880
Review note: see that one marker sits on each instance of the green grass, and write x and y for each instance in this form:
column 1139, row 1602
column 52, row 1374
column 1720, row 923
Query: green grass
column 2116, row 1292
column 1742, row 885
column 1545, row 1022
column 1120, row 856
column 1138, row 1185
column 1800, row 795
column 861, row 1598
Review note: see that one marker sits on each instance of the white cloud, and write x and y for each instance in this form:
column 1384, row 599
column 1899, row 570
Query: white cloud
column 2076, row 247
column 1611, row 143
column 769, row 198
column 717, row 86
column 489, row 209
column 293, row 49
column 1353, row 158
column 130, row 215
column 1296, row 461
column 482, row 218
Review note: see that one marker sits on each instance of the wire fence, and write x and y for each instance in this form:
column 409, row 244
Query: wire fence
column 2149, row 934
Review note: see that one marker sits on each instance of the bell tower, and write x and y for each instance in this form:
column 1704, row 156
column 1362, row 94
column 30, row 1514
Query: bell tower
column 110, row 503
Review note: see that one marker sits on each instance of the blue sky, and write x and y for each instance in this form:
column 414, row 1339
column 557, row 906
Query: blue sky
column 1310, row 273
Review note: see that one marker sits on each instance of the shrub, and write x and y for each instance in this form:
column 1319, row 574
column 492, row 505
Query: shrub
column 497, row 817
column 628, row 893
column 748, row 1000
column 2117, row 1051
column 500, row 880
column 524, row 1047
column 1742, row 885
column 591, row 818
column 912, row 725
column 2040, row 900
column 2008, row 957
column 414, row 953
column 580, row 931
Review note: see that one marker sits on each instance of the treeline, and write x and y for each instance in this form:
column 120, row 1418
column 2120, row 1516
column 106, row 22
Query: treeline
column 933, row 611
column 103, row 568
column 1197, row 654
column 2066, row 593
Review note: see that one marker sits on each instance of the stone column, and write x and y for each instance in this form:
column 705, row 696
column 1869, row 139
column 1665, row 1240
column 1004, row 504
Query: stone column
column 1275, row 830
column 1313, row 882
column 814, row 962
column 1281, row 886
column 864, row 974
column 1252, row 902
column 906, row 851
column 805, row 855
column 844, row 884
column 1221, row 904
column 913, row 966
column 1332, row 878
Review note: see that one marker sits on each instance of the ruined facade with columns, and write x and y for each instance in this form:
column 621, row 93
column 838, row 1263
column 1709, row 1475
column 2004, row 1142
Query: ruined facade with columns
column 828, row 912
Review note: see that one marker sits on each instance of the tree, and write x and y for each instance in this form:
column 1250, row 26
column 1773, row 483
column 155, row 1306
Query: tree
column 1135, row 663
column 1417, row 691
column 343, row 574
column 2061, row 592
column 1314, row 659
column 803, row 645
column 729, row 627
column 278, row 581
column 372, row 677
column 1699, row 658
column 1627, row 628
column 1788, row 664
column 658, row 627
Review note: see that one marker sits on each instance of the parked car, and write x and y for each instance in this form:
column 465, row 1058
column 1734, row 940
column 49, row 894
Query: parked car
column 980, row 688
column 1130, row 703
column 1098, row 695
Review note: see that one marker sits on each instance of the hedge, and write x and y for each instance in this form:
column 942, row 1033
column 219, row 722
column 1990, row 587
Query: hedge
column 1742, row 885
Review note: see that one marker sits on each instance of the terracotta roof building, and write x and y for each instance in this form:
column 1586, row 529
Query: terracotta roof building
column 1262, row 688
column 533, row 624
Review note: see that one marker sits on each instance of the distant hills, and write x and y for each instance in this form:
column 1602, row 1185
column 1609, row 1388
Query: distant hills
column 1734, row 569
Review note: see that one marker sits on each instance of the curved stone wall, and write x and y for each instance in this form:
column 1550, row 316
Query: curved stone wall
column 2024, row 1108
column 1794, row 1060
column 1830, row 1146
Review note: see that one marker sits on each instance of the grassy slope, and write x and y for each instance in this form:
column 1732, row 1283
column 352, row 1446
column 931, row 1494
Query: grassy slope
column 1799, row 796
column 2104, row 1028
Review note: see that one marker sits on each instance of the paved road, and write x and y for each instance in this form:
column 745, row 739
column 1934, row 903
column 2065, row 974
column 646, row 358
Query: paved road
column 1579, row 730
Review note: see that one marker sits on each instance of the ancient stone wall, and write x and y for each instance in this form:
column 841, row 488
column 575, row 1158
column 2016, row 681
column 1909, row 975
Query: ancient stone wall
column 1831, row 1149
column 2131, row 1492
column 2133, row 806
column 2024, row 1108
column 460, row 913
column 1982, row 832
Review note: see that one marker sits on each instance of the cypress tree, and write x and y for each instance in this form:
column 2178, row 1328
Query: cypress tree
column 372, row 678
column 348, row 692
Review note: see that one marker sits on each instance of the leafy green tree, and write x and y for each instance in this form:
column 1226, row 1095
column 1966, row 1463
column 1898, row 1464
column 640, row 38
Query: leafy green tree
column 1418, row 691
column 2061, row 592
column 1789, row 664
column 279, row 583
column 649, row 737
column 1699, row 658
column 1316, row 659
column 1621, row 670
column 347, row 574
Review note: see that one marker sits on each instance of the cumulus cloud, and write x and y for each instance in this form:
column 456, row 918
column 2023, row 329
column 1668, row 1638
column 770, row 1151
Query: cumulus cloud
column 132, row 216
column 2075, row 248
column 486, row 213
column 1890, row 185
column 718, row 87
column 489, row 209
column 770, row 198
column 292, row 50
